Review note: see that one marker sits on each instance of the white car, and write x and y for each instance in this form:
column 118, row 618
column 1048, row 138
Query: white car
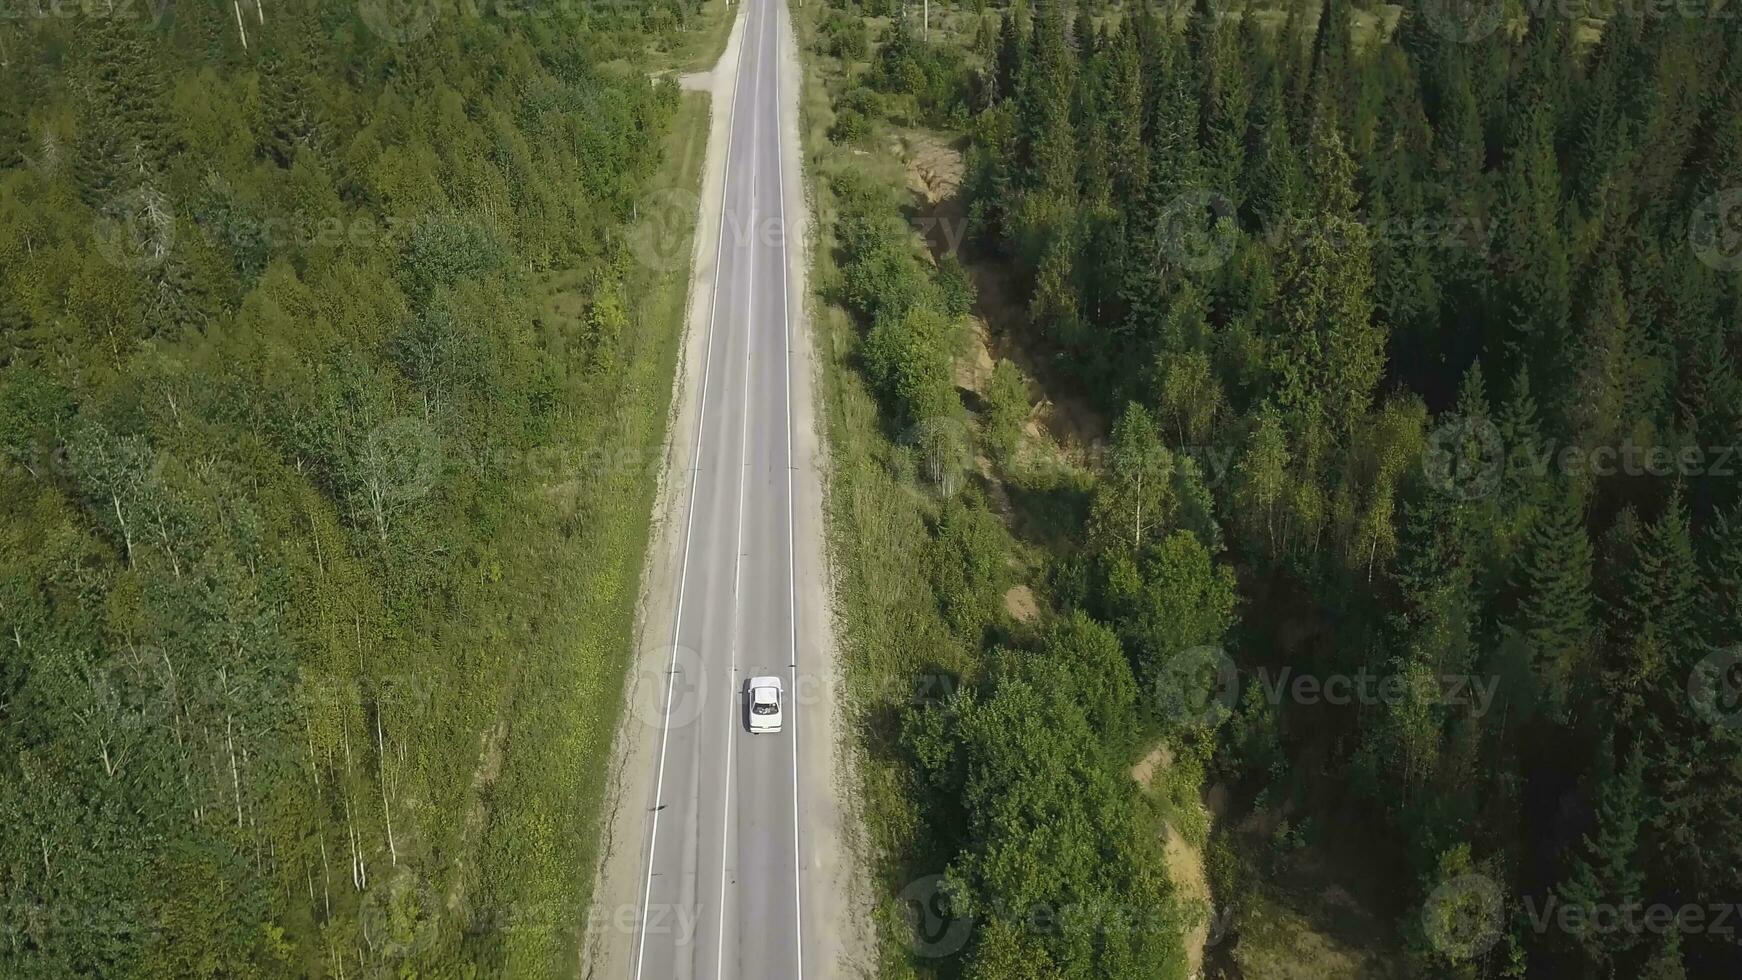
column 765, row 695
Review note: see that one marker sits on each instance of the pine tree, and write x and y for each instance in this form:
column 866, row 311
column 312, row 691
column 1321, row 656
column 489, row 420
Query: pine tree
column 1332, row 78
column 1720, row 602
column 1276, row 188
column 1227, row 102
column 1555, row 616
column 1608, row 400
column 124, row 135
column 1604, row 872
column 1172, row 126
column 1521, row 484
column 1328, row 355
column 1123, row 115
column 1407, row 292
column 1294, row 62
column 1666, row 959
column 1664, row 580
column 1012, row 55
column 1531, row 260
column 1046, row 139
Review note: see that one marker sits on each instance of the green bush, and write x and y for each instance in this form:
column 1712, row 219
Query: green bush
column 850, row 126
column 1007, row 408
column 969, row 567
column 844, row 36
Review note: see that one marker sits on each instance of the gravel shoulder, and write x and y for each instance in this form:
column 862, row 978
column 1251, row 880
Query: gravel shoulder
column 836, row 900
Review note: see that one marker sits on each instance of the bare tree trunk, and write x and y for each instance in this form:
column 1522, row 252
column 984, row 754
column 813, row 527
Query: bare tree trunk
column 315, row 536
column 1137, row 524
column 314, row 768
column 326, row 874
column 381, row 772
column 235, row 775
column 126, row 535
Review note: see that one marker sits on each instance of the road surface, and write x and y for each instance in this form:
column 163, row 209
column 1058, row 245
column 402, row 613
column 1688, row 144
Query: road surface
column 723, row 879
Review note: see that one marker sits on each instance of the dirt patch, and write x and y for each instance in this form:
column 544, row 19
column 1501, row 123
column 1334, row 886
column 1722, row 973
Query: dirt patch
column 1062, row 417
column 1158, row 759
column 934, row 168
column 999, row 323
column 974, row 367
column 1020, row 604
column 1279, row 943
column 1185, row 868
column 1217, row 800
column 1185, row 863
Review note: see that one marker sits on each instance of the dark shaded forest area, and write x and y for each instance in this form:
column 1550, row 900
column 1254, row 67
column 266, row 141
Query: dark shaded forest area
column 1420, row 331
column 314, row 317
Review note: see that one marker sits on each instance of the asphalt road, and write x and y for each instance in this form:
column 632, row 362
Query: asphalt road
column 721, row 892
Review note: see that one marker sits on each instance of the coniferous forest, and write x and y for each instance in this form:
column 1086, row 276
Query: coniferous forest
column 328, row 381
column 324, row 415
column 1417, row 330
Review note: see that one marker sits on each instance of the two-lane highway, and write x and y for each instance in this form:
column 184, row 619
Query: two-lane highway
column 724, row 830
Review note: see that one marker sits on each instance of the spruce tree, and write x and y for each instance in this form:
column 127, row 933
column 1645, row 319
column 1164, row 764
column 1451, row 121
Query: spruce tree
column 1603, row 874
column 1664, row 581
column 1327, row 355
column 1555, row 616
column 1531, row 259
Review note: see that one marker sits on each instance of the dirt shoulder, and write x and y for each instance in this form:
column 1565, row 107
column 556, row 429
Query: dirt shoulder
column 836, row 901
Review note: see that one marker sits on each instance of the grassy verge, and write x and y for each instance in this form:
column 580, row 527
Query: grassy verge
column 923, row 605
column 699, row 47
column 540, row 846
column 886, row 617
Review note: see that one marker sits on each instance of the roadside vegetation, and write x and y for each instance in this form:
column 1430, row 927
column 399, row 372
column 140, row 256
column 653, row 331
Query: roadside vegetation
column 995, row 739
column 331, row 398
column 1417, row 338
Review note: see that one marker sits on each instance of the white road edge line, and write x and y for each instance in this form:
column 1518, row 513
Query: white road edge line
column 738, row 545
column 690, row 515
column 791, row 548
